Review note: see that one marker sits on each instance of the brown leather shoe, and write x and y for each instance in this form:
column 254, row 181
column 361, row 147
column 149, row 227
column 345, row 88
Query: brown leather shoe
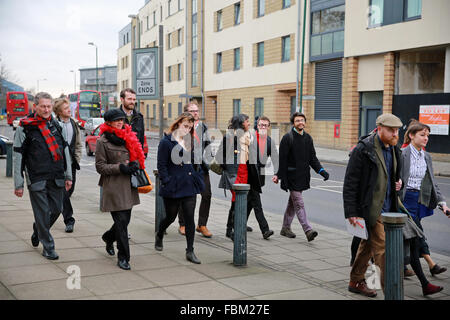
column 437, row 269
column 409, row 273
column 182, row 230
column 204, row 231
column 361, row 288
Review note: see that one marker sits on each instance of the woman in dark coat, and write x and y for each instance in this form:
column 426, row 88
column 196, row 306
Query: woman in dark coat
column 181, row 180
column 234, row 155
column 118, row 154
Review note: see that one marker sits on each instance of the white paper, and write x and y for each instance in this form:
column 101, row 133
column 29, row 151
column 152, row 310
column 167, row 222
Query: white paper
column 359, row 230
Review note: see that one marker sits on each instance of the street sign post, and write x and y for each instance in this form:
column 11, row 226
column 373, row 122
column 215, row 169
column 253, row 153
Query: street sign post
column 145, row 71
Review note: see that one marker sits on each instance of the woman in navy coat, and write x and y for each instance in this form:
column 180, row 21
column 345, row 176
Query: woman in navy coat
column 181, row 180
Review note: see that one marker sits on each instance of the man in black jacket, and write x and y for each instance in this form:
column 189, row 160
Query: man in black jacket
column 370, row 184
column 297, row 155
column 134, row 117
column 201, row 143
column 40, row 152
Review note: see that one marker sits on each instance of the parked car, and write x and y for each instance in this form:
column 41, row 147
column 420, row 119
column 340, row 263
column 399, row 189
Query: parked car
column 3, row 141
column 91, row 124
column 91, row 142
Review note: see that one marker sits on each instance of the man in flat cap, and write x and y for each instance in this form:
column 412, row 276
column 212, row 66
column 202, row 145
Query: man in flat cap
column 370, row 184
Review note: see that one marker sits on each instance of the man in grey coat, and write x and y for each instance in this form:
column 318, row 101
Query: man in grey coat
column 41, row 152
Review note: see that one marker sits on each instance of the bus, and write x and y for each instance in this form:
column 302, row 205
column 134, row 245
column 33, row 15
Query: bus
column 85, row 104
column 18, row 105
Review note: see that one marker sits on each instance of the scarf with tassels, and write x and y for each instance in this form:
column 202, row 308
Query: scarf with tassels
column 132, row 143
column 41, row 123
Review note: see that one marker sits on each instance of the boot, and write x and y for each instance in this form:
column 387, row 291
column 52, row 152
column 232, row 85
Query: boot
column 311, row 234
column 190, row 256
column 287, row 232
column 158, row 243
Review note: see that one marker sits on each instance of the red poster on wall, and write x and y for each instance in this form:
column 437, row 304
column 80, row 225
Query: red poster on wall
column 437, row 117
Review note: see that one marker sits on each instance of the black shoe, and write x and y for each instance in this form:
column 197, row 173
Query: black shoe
column 123, row 264
column 50, row 255
column 267, row 234
column 109, row 247
column 437, row 269
column 190, row 256
column 249, row 229
column 69, row 228
column 34, row 239
column 158, row 243
column 311, row 234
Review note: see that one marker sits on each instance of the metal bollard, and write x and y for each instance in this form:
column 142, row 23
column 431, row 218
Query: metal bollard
column 101, row 198
column 240, row 225
column 394, row 264
column 160, row 210
column 9, row 158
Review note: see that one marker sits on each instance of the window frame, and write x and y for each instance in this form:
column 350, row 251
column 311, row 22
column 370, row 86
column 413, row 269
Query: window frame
column 261, row 8
column 237, row 62
column 286, row 5
column 219, row 62
column 237, row 13
column 258, row 55
column 237, row 106
column 283, row 49
column 219, row 24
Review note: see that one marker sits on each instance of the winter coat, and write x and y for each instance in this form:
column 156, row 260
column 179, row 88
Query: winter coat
column 137, row 124
column 366, row 180
column 118, row 194
column 297, row 155
column 179, row 177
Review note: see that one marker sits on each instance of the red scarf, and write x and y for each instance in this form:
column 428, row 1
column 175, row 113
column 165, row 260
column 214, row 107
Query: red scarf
column 41, row 123
column 132, row 143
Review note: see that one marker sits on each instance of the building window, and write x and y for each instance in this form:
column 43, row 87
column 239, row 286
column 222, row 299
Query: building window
column 382, row 12
column 169, row 41
column 169, row 3
column 161, row 13
column 180, row 108
column 194, row 75
column 169, row 73
column 180, row 40
column 259, row 107
column 328, row 86
column 169, row 111
column 179, row 5
column 154, row 111
column 236, row 107
column 237, row 58
column 261, row 8
column 237, row 13
column 147, row 19
column 179, row 71
column 285, row 48
column 286, row 4
column 260, row 54
column 219, row 62
column 219, row 20
column 327, row 33
column 154, row 18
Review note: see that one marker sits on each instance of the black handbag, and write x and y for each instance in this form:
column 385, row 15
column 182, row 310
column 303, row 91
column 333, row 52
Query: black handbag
column 140, row 179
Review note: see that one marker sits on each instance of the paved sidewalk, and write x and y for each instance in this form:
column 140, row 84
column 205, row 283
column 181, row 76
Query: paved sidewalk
column 278, row 268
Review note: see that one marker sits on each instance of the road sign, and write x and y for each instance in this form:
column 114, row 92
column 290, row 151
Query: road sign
column 145, row 71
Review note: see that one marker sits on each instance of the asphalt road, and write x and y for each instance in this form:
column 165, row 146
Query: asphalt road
column 323, row 202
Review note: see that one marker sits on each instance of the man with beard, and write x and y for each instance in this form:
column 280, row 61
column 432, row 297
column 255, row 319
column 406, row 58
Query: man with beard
column 369, row 190
column 133, row 117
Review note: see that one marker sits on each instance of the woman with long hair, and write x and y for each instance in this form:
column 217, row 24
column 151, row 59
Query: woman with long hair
column 118, row 154
column 234, row 154
column 420, row 193
column 181, row 180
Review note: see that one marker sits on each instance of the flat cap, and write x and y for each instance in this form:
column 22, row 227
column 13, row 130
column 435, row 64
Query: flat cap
column 389, row 120
column 114, row 114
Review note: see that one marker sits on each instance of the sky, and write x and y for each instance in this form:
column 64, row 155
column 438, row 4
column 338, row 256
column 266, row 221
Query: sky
column 45, row 39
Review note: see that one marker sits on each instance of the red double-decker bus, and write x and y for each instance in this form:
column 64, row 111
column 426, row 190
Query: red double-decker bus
column 18, row 105
column 85, row 104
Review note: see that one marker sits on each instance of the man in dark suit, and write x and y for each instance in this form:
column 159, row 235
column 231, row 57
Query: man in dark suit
column 133, row 117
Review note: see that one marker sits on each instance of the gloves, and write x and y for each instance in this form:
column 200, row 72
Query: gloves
column 131, row 168
column 324, row 174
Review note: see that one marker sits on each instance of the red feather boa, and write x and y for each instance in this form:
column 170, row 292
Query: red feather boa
column 132, row 143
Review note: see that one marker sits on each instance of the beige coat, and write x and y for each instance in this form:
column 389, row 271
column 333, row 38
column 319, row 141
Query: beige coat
column 117, row 192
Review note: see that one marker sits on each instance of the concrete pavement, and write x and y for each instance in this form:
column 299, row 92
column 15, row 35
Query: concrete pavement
column 278, row 268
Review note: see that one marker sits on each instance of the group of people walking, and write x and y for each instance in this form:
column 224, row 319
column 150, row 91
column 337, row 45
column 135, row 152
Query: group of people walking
column 379, row 178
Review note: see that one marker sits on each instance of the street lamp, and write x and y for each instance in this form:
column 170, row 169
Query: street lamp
column 74, row 81
column 38, row 84
column 96, row 63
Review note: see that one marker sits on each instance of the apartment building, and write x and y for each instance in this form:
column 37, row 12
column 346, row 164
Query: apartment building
column 124, row 52
column 361, row 58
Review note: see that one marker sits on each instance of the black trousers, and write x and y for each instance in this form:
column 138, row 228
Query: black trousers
column 172, row 206
column 67, row 205
column 415, row 246
column 119, row 233
column 253, row 202
column 46, row 201
column 205, row 204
